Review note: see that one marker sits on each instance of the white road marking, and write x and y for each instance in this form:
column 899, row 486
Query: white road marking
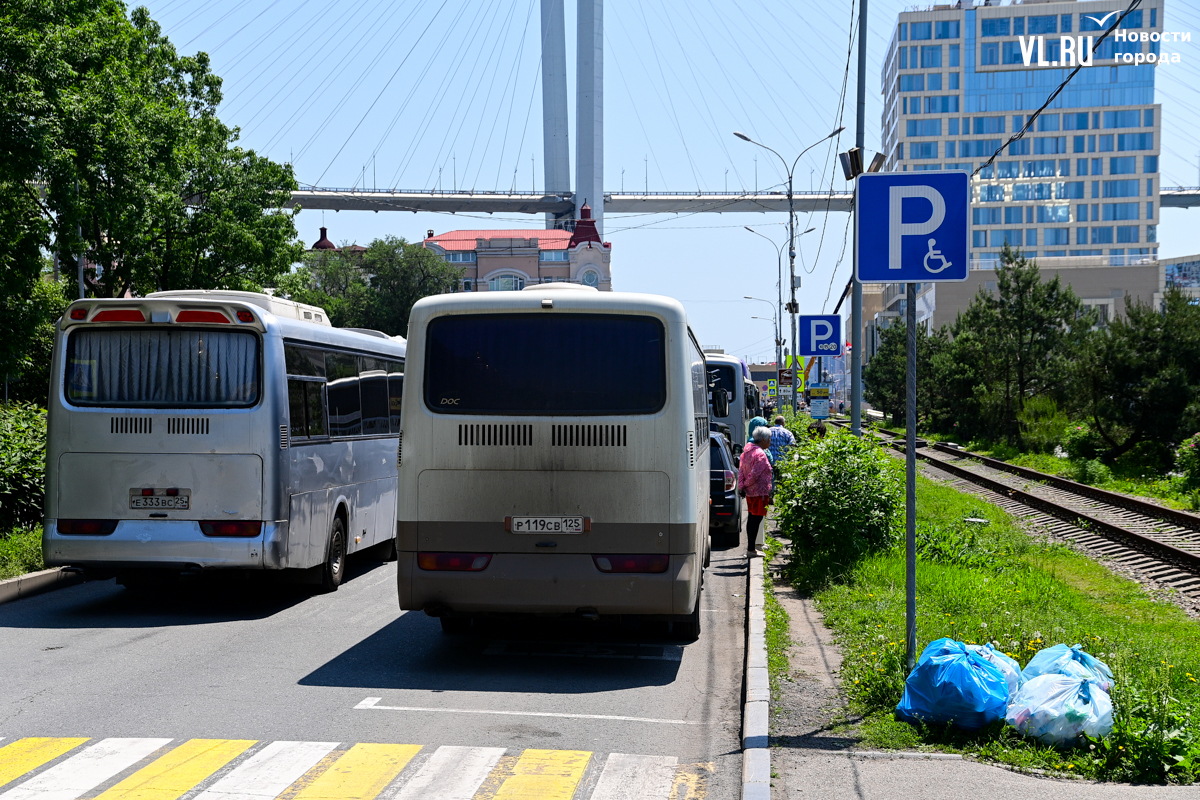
column 627, row 777
column 372, row 703
column 452, row 773
column 81, row 773
column 268, row 772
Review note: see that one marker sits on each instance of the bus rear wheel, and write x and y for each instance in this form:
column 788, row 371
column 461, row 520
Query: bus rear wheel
column 335, row 557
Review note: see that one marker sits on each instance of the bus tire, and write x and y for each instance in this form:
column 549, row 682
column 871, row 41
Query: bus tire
column 335, row 557
column 387, row 551
column 687, row 629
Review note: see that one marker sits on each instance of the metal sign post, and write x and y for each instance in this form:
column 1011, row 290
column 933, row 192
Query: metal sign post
column 917, row 233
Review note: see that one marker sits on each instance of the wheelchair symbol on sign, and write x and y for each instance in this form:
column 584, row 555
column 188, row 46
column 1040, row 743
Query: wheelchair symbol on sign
column 934, row 254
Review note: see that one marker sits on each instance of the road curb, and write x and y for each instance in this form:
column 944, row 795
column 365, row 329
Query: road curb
column 756, row 758
column 35, row 582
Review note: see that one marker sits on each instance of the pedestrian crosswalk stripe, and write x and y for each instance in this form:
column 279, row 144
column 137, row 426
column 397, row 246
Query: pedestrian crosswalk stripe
column 270, row 771
column 452, row 773
column 23, row 755
column 178, row 770
column 240, row 769
column 69, row 779
column 362, row 773
column 545, row 775
column 627, row 777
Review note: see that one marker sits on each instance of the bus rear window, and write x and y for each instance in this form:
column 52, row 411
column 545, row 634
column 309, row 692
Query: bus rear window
column 556, row 364
column 161, row 368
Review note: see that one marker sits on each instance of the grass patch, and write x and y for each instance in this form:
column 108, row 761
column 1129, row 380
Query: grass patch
column 20, row 552
column 778, row 622
column 992, row 582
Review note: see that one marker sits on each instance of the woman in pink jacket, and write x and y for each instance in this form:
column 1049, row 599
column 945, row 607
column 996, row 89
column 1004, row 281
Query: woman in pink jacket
column 754, row 483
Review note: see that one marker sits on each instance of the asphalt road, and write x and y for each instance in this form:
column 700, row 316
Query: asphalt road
column 272, row 663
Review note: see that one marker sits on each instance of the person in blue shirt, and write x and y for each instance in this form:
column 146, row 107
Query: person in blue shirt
column 781, row 440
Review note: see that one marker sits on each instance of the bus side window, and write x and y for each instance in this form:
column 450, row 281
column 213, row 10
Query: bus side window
column 296, row 406
column 345, row 405
column 395, row 393
column 315, row 391
column 374, row 387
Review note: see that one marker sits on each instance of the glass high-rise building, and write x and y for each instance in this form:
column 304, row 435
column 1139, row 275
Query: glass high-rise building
column 1083, row 182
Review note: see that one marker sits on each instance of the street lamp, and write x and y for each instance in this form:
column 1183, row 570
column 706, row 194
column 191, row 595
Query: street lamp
column 775, row 319
column 793, row 308
column 778, row 287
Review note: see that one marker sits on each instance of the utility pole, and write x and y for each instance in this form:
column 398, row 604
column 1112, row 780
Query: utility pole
column 856, row 299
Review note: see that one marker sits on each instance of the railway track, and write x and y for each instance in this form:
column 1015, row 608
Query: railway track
column 1156, row 545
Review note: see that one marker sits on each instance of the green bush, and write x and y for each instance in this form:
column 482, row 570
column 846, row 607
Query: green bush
column 20, row 552
column 1093, row 472
column 1042, row 424
column 1187, row 461
column 22, row 465
column 838, row 498
column 1081, row 442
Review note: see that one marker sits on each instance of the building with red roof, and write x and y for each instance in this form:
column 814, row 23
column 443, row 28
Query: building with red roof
column 500, row 260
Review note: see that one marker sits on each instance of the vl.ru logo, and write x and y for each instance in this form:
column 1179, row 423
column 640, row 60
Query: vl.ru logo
column 1071, row 51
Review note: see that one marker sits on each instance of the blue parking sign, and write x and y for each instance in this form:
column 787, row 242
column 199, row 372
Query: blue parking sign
column 820, row 335
column 912, row 227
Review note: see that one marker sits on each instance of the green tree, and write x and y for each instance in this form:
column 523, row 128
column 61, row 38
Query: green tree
column 885, row 376
column 375, row 288
column 120, row 135
column 1015, row 344
column 1139, row 379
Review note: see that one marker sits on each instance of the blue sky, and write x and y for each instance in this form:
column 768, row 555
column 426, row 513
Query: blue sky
column 406, row 93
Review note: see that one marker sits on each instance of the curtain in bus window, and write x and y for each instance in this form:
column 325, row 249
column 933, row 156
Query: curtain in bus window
column 395, row 393
column 345, row 406
column 160, row 368
column 553, row 364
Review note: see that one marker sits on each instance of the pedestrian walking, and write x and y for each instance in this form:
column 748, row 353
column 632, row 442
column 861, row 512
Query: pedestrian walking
column 781, row 440
column 754, row 483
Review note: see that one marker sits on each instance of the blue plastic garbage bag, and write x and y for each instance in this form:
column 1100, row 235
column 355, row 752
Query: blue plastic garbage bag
column 1056, row 709
column 1009, row 668
column 953, row 684
column 1073, row 661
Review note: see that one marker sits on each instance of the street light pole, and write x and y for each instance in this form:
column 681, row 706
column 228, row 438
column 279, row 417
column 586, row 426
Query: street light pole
column 775, row 317
column 793, row 308
column 779, row 289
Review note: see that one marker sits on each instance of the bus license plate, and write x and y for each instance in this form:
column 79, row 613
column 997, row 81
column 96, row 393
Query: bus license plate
column 546, row 524
column 179, row 502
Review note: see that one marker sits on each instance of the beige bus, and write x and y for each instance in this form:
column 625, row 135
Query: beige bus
column 553, row 457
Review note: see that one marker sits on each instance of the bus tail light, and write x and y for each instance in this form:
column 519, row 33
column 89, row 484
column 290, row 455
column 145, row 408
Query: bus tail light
column 120, row 315
column 730, row 480
column 631, row 563
column 192, row 315
column 78, row 313
column 453, row 562
column 245, row 316
column 231, row 527
column 87, row 527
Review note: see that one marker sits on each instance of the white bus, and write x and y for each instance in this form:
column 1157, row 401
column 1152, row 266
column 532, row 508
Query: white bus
column 554, row 457
column 725, row 372
column 209, row 430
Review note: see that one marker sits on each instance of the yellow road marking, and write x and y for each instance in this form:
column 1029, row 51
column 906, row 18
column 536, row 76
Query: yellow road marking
column 545, row 775
column 23, row 755
column 176, row 771
column 362, row 773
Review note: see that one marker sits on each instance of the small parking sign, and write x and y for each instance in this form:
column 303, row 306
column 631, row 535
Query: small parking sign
column 820, row 335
